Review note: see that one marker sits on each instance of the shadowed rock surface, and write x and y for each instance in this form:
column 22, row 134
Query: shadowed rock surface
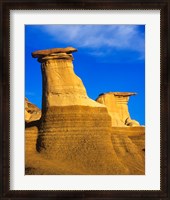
column 74, row 133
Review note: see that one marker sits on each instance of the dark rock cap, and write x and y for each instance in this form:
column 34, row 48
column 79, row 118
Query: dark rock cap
column 124, row 94
column 46, row 52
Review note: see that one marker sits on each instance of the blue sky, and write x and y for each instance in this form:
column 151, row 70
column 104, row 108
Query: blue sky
column 110, row 58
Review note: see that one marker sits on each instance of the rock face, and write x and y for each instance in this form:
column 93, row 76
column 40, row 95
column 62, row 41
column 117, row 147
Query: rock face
column 32, row 112
column 123, row 127
column 128, row 152
column 136, row 134
column 75, row 133
column 74, row 128
column 31, row 135
column 32, row 116
column 117, row 105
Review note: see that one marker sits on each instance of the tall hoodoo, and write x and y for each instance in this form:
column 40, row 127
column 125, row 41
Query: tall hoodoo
column 74, row 129
column 117, row 105
column 61, row 86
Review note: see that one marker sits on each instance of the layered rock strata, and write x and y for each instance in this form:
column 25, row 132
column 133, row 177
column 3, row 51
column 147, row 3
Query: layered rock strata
column 74, row 129
column 123, row 127
column 117, row 105
column 32, row 116
column 75, row 135
column 136, row 134
column 31, row 135
column 128, row 152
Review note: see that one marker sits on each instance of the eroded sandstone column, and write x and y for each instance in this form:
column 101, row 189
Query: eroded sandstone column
column 74, row 129
column 117, row 105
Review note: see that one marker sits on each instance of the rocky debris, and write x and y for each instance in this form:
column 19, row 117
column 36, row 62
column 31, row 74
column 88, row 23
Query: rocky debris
column 117, row 105
column 32, row 112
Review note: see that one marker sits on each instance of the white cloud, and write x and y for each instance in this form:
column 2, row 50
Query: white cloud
column 121, row 37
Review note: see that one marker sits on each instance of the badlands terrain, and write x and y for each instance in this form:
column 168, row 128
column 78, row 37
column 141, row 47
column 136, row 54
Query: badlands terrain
column 75, row 135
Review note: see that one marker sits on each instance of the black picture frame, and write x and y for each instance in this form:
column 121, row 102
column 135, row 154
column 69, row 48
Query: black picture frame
column 6, row 6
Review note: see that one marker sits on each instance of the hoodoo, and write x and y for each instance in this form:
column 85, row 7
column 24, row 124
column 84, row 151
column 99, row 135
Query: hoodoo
column 73, row 129
column 122, row 124
column 117, row 105
column 76, row 135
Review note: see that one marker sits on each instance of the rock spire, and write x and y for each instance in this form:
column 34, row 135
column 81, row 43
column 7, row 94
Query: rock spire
column 74, row 129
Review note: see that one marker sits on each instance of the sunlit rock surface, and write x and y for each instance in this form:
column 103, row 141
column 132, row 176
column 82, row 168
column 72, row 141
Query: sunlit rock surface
column 117, row 105
column 32, row 112
column 75, row 133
